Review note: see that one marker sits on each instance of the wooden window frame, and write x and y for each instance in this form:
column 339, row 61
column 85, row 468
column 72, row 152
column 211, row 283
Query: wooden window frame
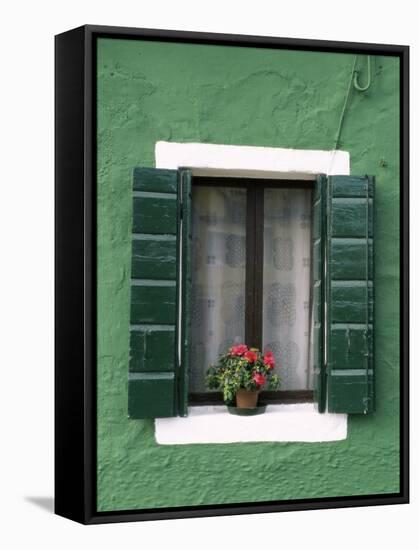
column 255, row 188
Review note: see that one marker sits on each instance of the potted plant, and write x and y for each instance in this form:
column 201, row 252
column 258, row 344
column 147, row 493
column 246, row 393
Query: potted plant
column 240, row 374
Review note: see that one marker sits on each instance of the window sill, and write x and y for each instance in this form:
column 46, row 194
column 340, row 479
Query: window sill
column 281, row 423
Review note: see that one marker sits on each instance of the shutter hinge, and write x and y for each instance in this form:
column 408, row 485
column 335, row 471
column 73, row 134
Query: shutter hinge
column 367, row 404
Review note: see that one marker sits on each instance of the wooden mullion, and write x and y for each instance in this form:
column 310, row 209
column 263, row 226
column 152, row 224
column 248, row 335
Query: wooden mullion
column 258, row 266
column 250, row 329
column 254, row 265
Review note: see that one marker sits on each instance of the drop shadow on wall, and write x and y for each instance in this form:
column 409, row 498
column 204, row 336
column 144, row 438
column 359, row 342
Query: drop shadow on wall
column 46, row 503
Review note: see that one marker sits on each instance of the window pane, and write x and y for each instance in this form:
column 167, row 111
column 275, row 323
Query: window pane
column 286, row 283
column 218, row 276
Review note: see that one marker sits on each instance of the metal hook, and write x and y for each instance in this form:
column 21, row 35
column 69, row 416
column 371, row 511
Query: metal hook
column 357, row 86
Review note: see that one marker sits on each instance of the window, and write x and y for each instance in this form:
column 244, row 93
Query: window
column 251, row 241
column 340, row 254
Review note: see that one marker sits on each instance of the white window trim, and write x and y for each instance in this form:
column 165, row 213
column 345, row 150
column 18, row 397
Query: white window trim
column 207, row 159
column 297, row 422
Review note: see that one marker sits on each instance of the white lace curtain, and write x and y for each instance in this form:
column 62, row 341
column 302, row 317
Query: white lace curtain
column 218, row 279
column 286, row 283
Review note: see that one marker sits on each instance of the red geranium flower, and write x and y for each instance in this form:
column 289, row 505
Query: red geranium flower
column 269, row 359
column 259, row 379
column 240, row 349
column 251, row 356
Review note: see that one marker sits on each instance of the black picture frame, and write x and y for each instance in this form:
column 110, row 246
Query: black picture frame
column 75, row 280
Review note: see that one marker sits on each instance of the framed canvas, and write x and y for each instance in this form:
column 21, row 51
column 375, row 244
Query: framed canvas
column 231, row 274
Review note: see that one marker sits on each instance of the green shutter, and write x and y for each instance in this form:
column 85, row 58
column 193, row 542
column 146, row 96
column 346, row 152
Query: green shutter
column 317, row 363
column 153, row 365
column 350, row 292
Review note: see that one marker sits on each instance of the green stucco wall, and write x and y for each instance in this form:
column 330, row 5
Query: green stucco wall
column 150, row 91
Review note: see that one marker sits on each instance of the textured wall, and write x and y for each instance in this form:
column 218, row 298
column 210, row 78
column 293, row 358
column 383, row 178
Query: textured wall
column 154, row 91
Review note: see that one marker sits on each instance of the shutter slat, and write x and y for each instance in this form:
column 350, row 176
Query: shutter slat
column 350, row 295
column 153, row 365
column 350, row 393
column 153, row 304
column 347, row 346
column 154, row 258
column 152, row 349
column 155, row 180
column 348, row 303
column 151, row 397
column 348, row 218
column 350, row 186
column 155, row 215
column 348, row 259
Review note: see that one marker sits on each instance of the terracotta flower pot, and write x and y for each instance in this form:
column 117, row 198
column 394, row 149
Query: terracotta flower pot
column 247, row 399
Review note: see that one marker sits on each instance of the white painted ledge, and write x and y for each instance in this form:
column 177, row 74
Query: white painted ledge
column 287, row 423
column 208, row 159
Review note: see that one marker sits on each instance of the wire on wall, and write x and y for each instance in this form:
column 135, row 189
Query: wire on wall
column 353, row 80
column 342, row 114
